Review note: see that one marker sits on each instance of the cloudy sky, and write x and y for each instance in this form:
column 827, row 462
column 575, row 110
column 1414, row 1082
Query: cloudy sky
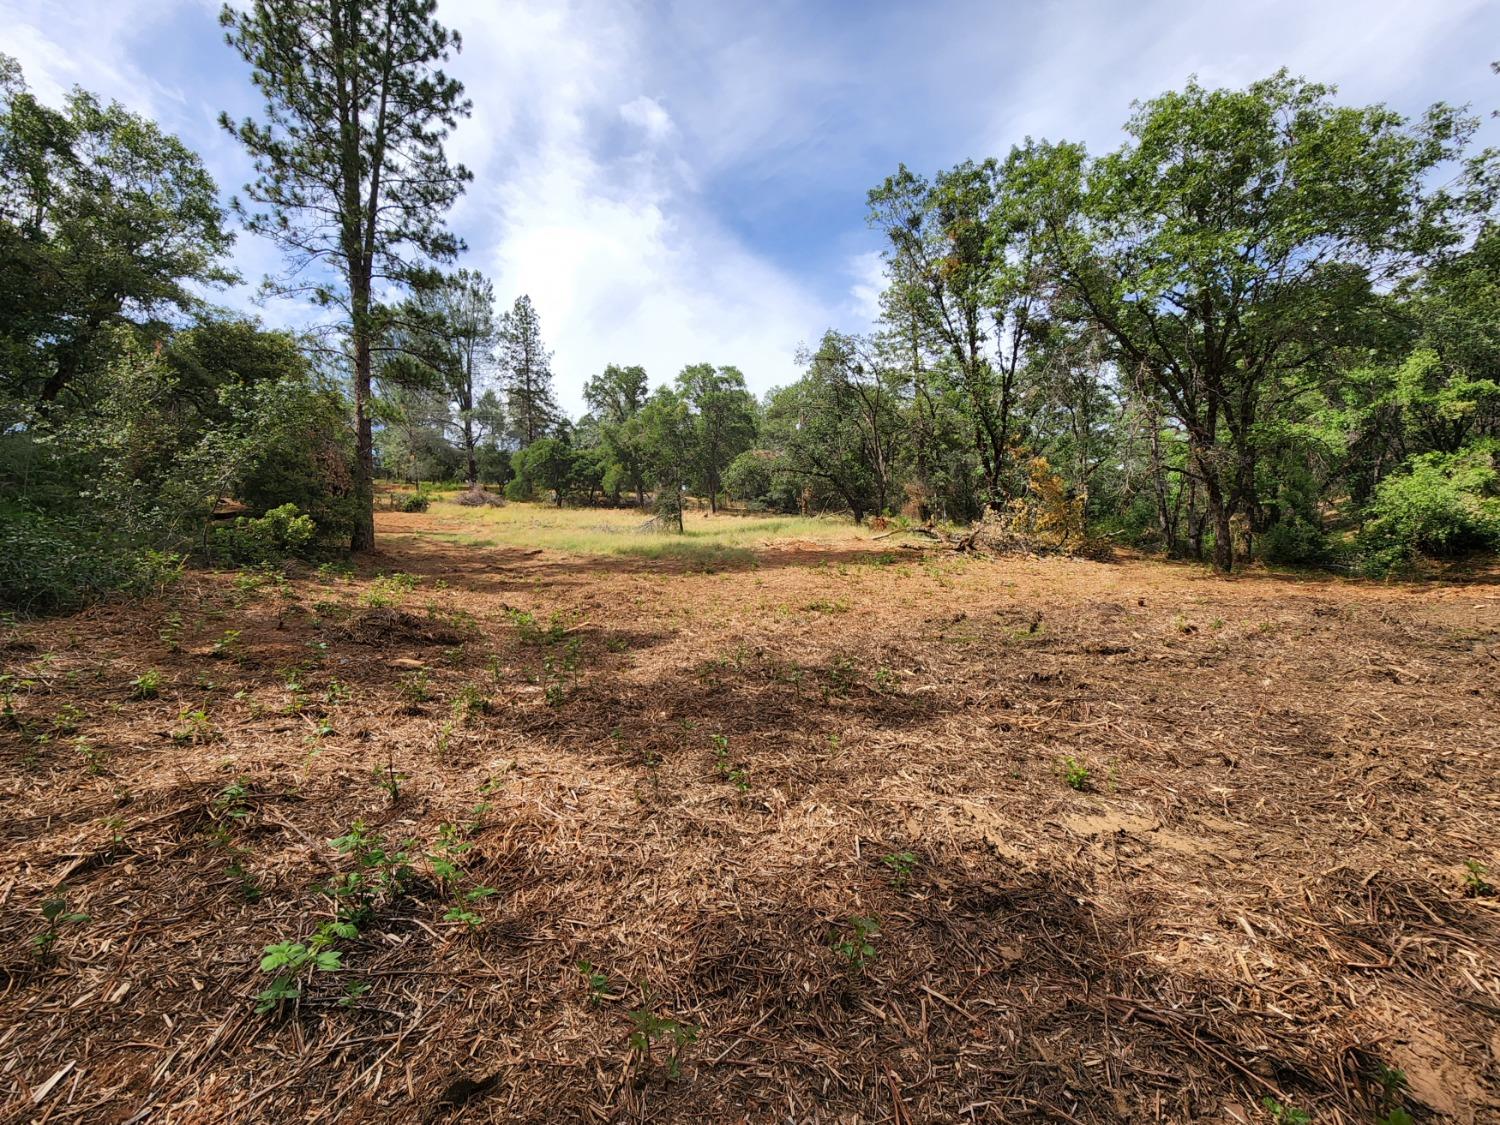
column 681, row 182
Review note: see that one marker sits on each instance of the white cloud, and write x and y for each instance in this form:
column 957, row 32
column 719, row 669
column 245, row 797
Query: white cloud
column 868, row 273
column 648, row 115
column 611, row 237
column 90, row 45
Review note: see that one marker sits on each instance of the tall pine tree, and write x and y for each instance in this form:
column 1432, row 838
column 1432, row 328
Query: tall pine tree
column 351, row 178
column 526, row 370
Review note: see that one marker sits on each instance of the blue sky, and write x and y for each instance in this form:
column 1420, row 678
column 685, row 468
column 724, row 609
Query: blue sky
column 680, row 182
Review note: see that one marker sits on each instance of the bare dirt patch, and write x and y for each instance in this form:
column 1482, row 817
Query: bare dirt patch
column 694, row 779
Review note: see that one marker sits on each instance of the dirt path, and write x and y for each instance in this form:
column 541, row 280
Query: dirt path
column 694, row 781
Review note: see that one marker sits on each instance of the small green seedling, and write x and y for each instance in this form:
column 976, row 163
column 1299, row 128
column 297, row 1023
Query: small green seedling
column 293, row 963
column 651, row 1029
column 146, row 686
column 1393, row 1087
column 1475, row 883
column 413, row 689
column 231, row 800
column 857, row 946
column 467, row 917
column 94, row 759
column 1285, row 1114
column 56, row 914
column 116, row 827
column 1075, row 773
column 901, row 865
column 469, row 702
column 389, row 779
column 1393, row 1084
column 382, row 868
column 737, row 776
column 193, row 727
column 596, row 982
column 170, row 633
column 226, row 645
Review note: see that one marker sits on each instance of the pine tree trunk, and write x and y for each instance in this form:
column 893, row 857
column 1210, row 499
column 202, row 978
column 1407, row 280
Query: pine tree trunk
column 363, row 538
column 471, row 472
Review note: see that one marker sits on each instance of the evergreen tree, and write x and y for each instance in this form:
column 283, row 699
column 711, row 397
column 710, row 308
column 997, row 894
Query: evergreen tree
column 349, row 162
column 526, row 372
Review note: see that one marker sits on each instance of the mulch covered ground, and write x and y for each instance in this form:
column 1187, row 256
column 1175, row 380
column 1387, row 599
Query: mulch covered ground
column 808, row 823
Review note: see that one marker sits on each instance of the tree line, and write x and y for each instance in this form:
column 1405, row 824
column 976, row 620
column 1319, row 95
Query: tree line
column 1266, row 325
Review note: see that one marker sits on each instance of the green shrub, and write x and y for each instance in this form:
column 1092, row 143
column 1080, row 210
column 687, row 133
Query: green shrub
column 411, row 501
column 1441, row 506
column 49, row 564
column 281, row 533
column 1294, row 540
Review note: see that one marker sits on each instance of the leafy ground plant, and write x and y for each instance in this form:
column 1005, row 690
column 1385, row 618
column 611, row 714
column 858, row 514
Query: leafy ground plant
column 651, row 1030
column 146, row 686
column 56, row 914
column 857, row 946
column 596, row 982
column 736, row 775
column 1285, row 1114
column 901, row 865
column 389, row 779
column 1476, row 885
column 294, row 963
column 193, row 727
column 1075, row 772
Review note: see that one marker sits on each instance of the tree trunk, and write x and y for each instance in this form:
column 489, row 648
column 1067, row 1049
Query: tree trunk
column 1221, row 513
column 363, row 538
column 1223, row 537
column 471, row 474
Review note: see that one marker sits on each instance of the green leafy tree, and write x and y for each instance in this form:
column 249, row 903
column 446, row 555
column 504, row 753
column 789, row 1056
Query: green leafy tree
column 1231, row 245
column 963, row 261
column 616, row 396
column 351, row 178
column 670, row 445
column 724, row 423
column 105, row 221
column 546, row 465
column 838, row 428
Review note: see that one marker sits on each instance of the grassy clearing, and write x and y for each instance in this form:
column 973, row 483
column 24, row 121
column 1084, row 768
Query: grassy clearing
column 722, row 540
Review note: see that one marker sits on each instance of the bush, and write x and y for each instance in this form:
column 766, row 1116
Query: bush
column 298, row 452
column 1443, row 505
column 281, row 533
column 1296, row 541
column 417, row 501
column 50, row 564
